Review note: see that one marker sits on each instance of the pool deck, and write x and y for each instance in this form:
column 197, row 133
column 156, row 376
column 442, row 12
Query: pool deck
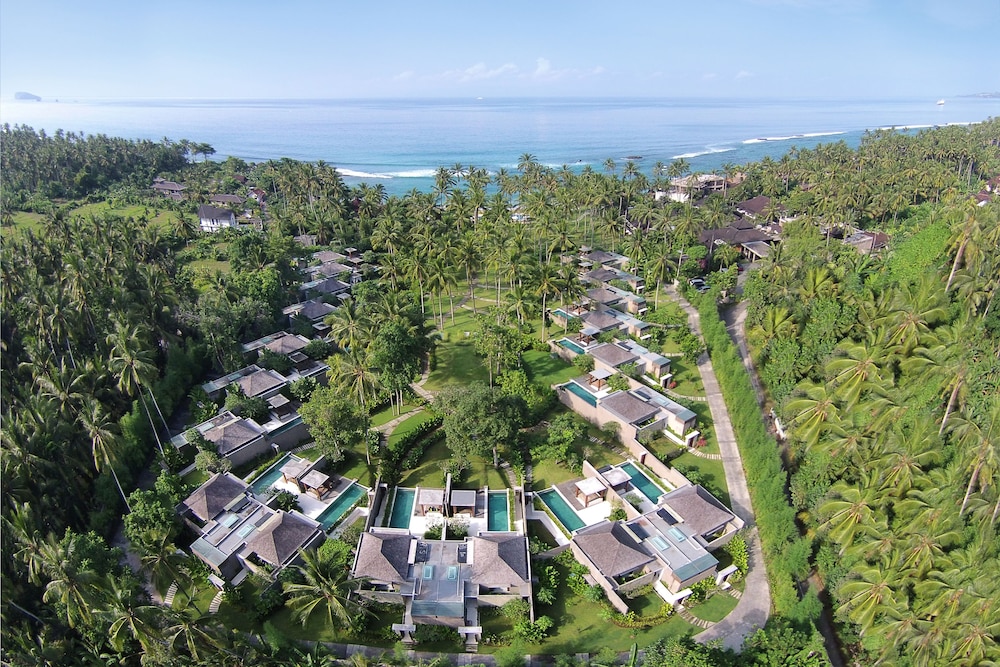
column 478, row 521
column 595, row 513
column 312, row 507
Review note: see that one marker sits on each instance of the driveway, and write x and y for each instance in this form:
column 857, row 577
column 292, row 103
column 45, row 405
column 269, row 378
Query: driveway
column 754, row 607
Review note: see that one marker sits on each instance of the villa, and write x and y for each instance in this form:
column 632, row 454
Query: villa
column 291, row 346
column 442, row 580
column 169, row 189
column 313, row 311
column 238, row 534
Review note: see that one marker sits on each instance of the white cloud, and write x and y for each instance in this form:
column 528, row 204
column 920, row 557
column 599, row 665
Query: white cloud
column 708, row 76
column 478, row 72
column 743, row 74
column 403, row 76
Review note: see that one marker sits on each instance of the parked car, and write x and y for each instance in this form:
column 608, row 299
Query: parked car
column 698, row 284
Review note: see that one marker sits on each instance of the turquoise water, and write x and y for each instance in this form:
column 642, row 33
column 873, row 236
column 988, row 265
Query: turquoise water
column 497, row 517
column 562, row 313
column 400, row 143
column 566, row 514
column 643, row 483
column 339, row 507
column 270, row 476
column 570, row 345
column 574, row 388
column 402, row 508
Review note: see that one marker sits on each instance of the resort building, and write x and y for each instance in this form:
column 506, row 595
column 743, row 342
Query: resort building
column 169, row 189
column 312, row 312
column 443, row 554
column 226, row 200
column 291, row 346
column 238, row 534
column 620, row 354
column 711, row 522
column 640, row 412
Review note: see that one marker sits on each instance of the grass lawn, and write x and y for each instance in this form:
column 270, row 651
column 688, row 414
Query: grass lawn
column 196, row 477
column 408, row 424
column 354, row 465
column 687, row 377
column 386, row 414
column 457, row 363
column 711, row 473
column 430, row 473
column 538, row 530
column 546, row 473
column 579, row 627
column 715, row 608
column 546, row 369
column 671, row 347
column 208, row 267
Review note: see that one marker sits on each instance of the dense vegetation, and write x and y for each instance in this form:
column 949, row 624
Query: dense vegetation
column 886, row 370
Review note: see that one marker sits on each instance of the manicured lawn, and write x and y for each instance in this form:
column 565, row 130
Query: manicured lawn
column 408, row 424
column 687, row 377
column 387, row 414
column 670, row 347
column 457, row 363
column 712, row 474
column 579, row 627
column 430, row 473
column 196, row 477
column 715, row 608
column 547, row 369
column 207, row 267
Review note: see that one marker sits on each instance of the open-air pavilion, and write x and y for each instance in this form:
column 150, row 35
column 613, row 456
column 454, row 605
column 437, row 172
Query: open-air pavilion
column 590, row 488
column 463, row 501
column 430, row 500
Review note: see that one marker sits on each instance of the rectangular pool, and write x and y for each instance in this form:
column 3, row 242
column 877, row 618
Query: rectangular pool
column 576, row 389
column 261, row 485
column 402, row 508
column 567, row 515
column 497, row 517
column 640, row 481
column 570, row 345
column 339, row 507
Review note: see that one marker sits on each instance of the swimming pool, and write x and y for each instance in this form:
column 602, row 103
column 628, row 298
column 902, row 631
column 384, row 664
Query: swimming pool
column 402, row 508
column 339, row 507
column 563, row 314
column 261, row 485
column 566, row 514
column 498, row 513
column 576, row 389
column 642, row 482
column 570, row 345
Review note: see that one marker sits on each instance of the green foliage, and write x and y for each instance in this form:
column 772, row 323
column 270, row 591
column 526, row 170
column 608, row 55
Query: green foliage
column 318, row 349
column 238, row 403
column 274, row 361
column 286, row 500
column 584, row 362
column 336, row 422
column 740, row 553
column 431, row 634
column 152, row 518
column 618, row 382
column 515, row 610
column 209, row 462
column 478, row 418
column 302, row 389
column 537, row 399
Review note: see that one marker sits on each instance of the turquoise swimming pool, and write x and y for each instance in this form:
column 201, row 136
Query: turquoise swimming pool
column 643, row 483
column 570, row 345
column 567, row 515
column 498, row 513
column 576, row 389
column 563, row 314
column 402, row 508
column 339, row 507
column 270, row 476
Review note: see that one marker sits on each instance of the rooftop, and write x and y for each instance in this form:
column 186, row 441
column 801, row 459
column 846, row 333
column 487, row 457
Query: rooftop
column 260, row 382
column 697, row 508
column 628, row 408
column 611, row 548
column 282, row 536
column 383, row 557
column 612, row 355
column 212, row 497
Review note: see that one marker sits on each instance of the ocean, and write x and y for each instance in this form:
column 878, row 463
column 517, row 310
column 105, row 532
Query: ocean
column 399, row 143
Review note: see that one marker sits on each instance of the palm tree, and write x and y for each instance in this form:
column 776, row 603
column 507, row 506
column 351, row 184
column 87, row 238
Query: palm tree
column 129, row 617
column 658, row 268
column 872, row 594
column 326, row 589
column 196, row 630
column 979, row 438
column 853, row 511
column 134, row 368
column 351, row 372
column 547, row 285
column 104, row 443
column 349, row 327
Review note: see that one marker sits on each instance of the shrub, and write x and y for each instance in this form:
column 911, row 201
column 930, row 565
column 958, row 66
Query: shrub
column 584, row 362
column 738, row 551
column 286, row 500
column 428, row 634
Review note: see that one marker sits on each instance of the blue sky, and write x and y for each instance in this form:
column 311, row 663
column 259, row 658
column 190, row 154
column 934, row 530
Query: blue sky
column 446, row 48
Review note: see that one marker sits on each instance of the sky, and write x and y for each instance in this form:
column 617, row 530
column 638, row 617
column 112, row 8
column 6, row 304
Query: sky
column 260, row 49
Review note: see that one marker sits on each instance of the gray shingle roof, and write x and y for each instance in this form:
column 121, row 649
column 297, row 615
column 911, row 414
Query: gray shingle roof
column 500, row 560
column 601, row 320
column 259, row 382
column 629, row 408
column 383, row 557
column 281, row 536
column 207, row 212
column 698, row 509
column 231, row 436
column 612, row 355
column 214, row 495
column 287, row 344
column 610, row 547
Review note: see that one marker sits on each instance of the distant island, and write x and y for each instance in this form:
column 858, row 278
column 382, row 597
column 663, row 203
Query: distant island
column 984, row 95
column 20, row 95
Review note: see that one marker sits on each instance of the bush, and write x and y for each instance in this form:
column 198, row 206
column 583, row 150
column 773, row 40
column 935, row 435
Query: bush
column 738, row 551
column 584, row 362
column 429, row 634
column 288, row 501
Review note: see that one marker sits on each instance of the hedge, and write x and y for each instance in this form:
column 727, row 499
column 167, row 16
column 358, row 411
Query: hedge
column 406, row 452
column 766, row 476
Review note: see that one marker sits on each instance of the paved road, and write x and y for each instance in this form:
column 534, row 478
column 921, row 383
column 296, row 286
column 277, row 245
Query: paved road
column 754, row 607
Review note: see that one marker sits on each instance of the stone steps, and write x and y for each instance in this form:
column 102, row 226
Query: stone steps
column 694, row 620
column 171, row 592
column 216, row 603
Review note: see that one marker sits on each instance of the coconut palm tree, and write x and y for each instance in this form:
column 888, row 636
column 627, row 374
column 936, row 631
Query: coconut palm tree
column 326, row 589
column 104, row 443
column 134, row 368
